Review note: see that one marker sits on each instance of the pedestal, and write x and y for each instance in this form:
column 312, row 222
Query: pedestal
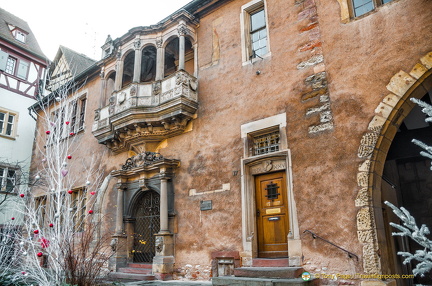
column 163, row 262
column 119, row 245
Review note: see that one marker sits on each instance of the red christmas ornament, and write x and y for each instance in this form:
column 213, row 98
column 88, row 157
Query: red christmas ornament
column 23, row 272
column 12, row 218
column 70, row 192
column 47, row 132
column 22, row 195
column 39, row 254
column 71, row 134
column 90, row 211
column 67, row 122
column 36, row 231
column 69, row 157
column 51, row 225
column 44, row 242
column 92, row 193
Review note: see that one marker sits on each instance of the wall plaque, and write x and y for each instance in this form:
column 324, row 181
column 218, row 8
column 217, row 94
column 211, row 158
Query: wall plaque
column 206, row 205
column 273, row 211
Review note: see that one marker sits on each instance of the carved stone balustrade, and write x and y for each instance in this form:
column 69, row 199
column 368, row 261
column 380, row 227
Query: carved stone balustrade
column 147, row 112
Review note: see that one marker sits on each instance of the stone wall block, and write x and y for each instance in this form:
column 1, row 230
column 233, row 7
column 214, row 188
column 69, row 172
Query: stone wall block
column 400, row 83
column 362, row 179
column 326, row 116
column 377, row 121
column 309, row 27
column 365, row 166
column 307, row 13
column 418, row 70
column 320, row 128
column 371, row 262
column 311, row 62
column 317, row 109
column 391, row 99
column 314, row 93
column 364, row 219
column 427, row 60
column 363, row 198
column 383, row 110
column 310, row 46
column 365, row 236
column 317, row 81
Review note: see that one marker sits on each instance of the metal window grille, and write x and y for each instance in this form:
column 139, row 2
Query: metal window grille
column 266, row 143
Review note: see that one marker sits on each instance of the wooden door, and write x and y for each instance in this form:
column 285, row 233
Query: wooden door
column 272, row 215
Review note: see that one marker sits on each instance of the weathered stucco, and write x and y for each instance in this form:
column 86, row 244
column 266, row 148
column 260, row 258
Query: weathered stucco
column 328, row 76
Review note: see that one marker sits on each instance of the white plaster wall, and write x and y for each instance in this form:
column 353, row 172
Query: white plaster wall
column 20, row 149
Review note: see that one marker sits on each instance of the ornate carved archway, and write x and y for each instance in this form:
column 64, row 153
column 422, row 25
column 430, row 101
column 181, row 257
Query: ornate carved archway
column 373, row 148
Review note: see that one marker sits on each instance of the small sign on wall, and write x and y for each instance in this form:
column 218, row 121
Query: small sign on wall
column 206, row 205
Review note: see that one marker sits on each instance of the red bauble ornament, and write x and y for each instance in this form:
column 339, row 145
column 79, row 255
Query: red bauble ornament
column 36, row 231
column 67, row 122
column 90, row 211
column 92, row 193
column 71, row 134
column 70, row 192
column 39, row 254
column 47, row 132
column 69, row 156
column 51, row 225
column 22, row 195
column 23, row 272
column 12, row 218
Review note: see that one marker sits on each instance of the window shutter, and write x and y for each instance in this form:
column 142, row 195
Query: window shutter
column 3, row 60
column 23, row 69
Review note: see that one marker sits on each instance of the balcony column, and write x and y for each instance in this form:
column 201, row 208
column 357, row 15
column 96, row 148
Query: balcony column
column 120, row 209
column 182, row 30
column 137, row 63
column 119, row 72
column 160, row 59
column 195, row 48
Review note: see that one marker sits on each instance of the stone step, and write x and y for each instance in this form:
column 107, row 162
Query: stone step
column 270, row 262
column 140, row 265
column 247, row 281
column 135, row 270
column 269, row 272
column 131, row 276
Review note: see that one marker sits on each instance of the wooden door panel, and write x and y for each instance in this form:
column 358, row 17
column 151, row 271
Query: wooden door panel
column 272, row 215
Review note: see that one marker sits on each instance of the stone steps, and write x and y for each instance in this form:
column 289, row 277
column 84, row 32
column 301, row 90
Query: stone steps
column 248, row 281
column 269, row 272
column 270, row 262
column 134, row 271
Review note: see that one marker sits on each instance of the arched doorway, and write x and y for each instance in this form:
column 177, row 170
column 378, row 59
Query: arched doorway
column 407, row 182
column 379, row 246
column 146, row 223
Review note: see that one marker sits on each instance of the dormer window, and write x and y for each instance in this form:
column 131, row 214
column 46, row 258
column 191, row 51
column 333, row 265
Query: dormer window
column 18, row 34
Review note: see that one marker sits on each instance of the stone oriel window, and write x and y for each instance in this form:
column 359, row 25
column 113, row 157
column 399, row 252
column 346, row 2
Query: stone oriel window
column 254, row 27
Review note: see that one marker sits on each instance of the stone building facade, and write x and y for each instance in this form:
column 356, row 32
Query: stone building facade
column 233, row 129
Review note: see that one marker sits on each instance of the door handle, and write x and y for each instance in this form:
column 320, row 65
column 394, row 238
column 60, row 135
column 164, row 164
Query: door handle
column 258, row 213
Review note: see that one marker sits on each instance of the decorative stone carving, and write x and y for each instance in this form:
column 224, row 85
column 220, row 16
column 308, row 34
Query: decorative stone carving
column 112, row 103
column 133, row 90
column 362, row 198
column 181, row 78
column 193, row 84
column 113, row 244
column 182, row 30
column 364, row 219
column 159, row 42
column 156, row 88
column 97, row 115
column 267, row 166
column 137, row 43
column 365, row 236
column 362, row 179
column 121, row 97
column 141, row 160
column 371, row 262
column 159, row 244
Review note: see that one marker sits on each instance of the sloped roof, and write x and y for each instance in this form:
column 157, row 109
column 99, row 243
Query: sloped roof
column 77, row 62
column 31, row 45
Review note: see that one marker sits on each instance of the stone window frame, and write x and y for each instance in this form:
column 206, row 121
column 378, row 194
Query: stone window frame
column 348, row 13
column 245, row 13
column 5, row 170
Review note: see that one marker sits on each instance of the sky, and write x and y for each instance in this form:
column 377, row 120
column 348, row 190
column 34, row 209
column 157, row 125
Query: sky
column 83, row 25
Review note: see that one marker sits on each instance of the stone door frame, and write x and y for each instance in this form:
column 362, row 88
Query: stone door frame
column 373, row 150
column 258, row 165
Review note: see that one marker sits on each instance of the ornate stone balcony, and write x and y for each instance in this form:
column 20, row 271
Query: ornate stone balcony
column 147, row 112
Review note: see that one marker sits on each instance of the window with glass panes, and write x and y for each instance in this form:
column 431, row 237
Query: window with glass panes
column 7, row 179
column 10, row 65
column 7, row 123
column 258, row 33
column 361, row 7
column 78, row 207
